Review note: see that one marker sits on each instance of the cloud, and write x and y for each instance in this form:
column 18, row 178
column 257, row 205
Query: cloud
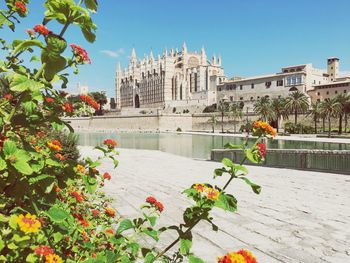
column 113, row 54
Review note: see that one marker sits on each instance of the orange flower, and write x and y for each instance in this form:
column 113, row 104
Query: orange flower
column 55, row 145
column 109, row 231
column 212, row 193
column 77, row 196
column 84, row 223
column 37, row 148
column 241, row 256
column 68, row 107
column 43, row 251
column 28, row 223
column 262, row 128
column 248, row 256
column 60, row 157
column 110, row 212
column 199, row 187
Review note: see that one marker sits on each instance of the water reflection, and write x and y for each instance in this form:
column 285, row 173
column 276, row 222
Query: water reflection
column 195, row 146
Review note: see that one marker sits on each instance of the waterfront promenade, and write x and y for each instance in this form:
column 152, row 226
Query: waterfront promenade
column 299, row 216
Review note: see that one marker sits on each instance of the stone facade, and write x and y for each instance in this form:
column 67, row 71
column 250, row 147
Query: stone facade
column 304, row 78
column 175, row 78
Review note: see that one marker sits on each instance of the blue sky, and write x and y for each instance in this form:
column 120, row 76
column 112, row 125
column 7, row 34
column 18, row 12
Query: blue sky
column 253, row 36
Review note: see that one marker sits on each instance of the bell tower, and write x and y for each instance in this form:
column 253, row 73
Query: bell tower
column 333, row 68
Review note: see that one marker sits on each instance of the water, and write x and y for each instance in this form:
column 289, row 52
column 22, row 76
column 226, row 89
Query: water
column 193, row 146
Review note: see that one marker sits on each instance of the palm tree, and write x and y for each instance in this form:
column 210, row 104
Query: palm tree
column 346, row 112
column 213, row 120
column 100, row 98
column 263, row 109
column 223, row 107
column 315, row 112
column 330, row 108
column 297, row 102
column 278, row 107
column 343, row 100
column 236, row 112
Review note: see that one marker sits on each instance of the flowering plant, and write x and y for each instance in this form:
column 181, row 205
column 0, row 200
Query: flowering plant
column 53, row 208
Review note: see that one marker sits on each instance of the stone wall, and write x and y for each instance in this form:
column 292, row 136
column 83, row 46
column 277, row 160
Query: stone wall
column 320, row 160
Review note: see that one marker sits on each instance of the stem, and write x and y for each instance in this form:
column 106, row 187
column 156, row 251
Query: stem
column 64, row 29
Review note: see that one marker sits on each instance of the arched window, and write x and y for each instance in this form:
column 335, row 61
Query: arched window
column 293, row 89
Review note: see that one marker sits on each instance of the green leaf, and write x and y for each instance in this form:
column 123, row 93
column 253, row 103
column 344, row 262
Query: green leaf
column 152, row 233
column 29, row 107
column 22, row 155
column 2, row 244
column 233, row 146
column 152, row 220
column 91, row 5
column 240, row 168
column 194, row 259
column 149, row 258
column 27, row 44
column 57, row 214
column 3, row 164
column 54, row 63
column 21, row 83
column 10, row 147
column 88, row 34
column 23, row 167
column 31, row 258
column 57, row 237
column 185, row 246
column 12, row 246
column 19, row 239
column 251, row 156
column 226, row 202
column 39, row 178
column 13, row 222
column 34, row 58
column 227, row 162
column 256, row 188
column 125, row 225
column 90, row 183
column 51, row 162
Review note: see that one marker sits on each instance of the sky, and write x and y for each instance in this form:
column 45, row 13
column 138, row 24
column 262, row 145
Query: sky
column 254, row 37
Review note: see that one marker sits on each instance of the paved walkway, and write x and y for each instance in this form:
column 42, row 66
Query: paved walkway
column 299, row 216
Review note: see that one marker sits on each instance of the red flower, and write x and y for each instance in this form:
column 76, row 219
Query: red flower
column 57, row 190
column 159, row 206
column 151, row 200
column 41, row 29
column 55, row 145
column 21, row 8
column 248, row 256
column 78, row 197
column 8, row 96
column 81, row 55
column 110, row 143
column 49, row 99
column 107, row 176
column 31, row 33
column 89, row 100
column 95, row 212
column 262, row 149
column 60, row 157
column 93, row 255
column 43, row 251
column 84, row 223
column 68, row 107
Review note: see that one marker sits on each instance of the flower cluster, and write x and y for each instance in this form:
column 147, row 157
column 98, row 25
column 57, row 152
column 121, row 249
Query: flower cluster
column 41, row 29
column 48, row 253
column 262, row 150
column 81, row 55
column 60, row 157
column 28, row 223
column 78, row 196
column 241, row 256
column 68, row 107
column 80, row 169
column 110, row 143
column 8, row 96
column 110, row 212
column 155, row 203
column 89, row 100
column 207, row 191
column 55, row 145
column 262, row 128
column 49, row 99
column 21, row 8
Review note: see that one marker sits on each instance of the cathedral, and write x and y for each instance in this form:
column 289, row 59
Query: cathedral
column 173, row 79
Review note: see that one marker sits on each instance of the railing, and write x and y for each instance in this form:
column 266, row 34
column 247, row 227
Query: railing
column 317, row 160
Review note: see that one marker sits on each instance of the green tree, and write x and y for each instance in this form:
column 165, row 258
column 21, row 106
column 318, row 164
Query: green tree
column 297, row 102
column 315, row 112
column 343, row 100
column 213, row 120
column 100, row 98
column 346, row 112
column 223, row 108
column 279, row 109
column 330, row 108
column 263, row 109
column 236, row 112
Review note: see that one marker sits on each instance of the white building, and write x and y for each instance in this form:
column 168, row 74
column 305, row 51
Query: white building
column 170, row 80
column 304, row 78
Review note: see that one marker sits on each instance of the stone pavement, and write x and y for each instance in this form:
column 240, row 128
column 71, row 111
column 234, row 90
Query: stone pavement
column 299, row 216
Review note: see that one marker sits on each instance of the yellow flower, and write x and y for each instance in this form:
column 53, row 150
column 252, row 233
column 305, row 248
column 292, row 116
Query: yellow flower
column 28, row 223
column 232, row 258
column 53, row 258
column 199, row 187
column 55, row 145
column 81, row 169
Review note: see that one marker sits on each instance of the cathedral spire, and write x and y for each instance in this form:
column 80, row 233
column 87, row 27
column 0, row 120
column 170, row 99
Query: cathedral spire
column 203, row 56
column 213, row 60
column 184, row 47
column 219, row 60
column 118, row 68
column 151, row 56
column 133, row 57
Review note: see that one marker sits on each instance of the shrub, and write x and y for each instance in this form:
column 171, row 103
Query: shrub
column 211, row 108
column 174, row 109
column 178, row 129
